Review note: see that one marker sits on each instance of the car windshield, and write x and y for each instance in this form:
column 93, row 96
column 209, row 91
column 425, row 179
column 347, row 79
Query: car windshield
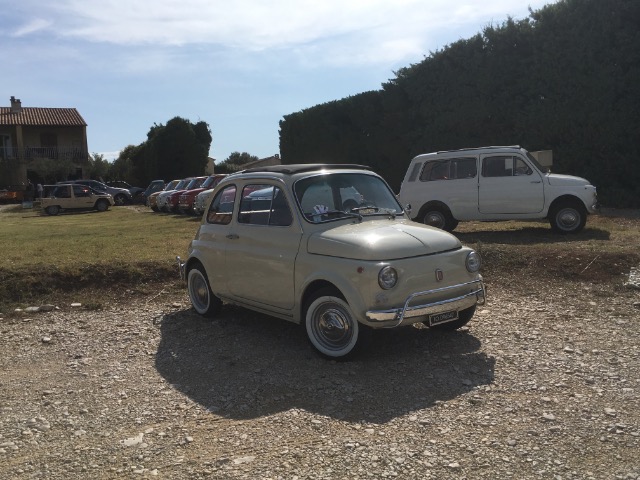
column 328, row 197
column 172, row 185
column 182, row 184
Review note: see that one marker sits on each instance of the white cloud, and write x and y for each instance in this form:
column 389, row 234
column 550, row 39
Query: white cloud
column 33, row 26
column 344, row 31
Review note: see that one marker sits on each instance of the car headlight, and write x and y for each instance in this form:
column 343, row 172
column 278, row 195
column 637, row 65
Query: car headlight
column 388, row 277
column 473, row 261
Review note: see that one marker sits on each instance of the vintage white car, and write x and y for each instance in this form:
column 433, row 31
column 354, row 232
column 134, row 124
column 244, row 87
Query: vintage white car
column 329, row 247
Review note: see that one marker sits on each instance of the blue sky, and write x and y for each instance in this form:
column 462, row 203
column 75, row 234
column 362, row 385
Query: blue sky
column 239, row 66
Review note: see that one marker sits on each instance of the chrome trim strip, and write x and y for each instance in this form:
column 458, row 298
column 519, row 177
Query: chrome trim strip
column 181, row 266
column 400, row 315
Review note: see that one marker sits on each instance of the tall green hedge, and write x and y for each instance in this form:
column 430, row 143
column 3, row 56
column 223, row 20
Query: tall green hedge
column 567, row 79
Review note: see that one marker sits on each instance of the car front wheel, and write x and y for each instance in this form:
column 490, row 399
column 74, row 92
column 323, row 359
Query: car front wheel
column 331, row 326
column 202, row 298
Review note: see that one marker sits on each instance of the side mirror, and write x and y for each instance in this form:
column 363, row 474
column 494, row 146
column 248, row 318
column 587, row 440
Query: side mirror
column 407, row 208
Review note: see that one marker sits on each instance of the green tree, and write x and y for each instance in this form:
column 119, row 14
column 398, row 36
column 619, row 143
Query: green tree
column 235, row 162
column 99, row 167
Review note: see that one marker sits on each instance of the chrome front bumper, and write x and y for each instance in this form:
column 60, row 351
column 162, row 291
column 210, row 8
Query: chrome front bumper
column 407, row 315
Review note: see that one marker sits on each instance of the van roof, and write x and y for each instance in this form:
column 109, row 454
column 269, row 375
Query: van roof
column 474, row 149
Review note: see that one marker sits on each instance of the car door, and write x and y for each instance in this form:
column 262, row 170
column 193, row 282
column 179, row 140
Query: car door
column 83, row 197
column 63, row 196
column 509, row 185
column 213, row 236
column 262, row 246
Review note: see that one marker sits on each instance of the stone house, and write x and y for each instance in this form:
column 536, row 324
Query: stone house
column 40, row 144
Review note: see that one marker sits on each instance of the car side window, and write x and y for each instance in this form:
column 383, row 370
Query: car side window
column 264, row 205
column 62, row 192
column 81, row 191
column 221, row 208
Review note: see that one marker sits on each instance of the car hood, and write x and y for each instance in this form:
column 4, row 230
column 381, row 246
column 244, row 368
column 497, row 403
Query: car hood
column 378, row 240
column 558, row 180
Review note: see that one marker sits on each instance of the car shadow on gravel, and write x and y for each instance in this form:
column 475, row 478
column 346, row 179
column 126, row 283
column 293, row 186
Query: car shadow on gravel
column 244, row 365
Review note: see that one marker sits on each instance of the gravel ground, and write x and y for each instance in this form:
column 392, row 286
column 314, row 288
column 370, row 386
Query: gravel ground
column 543, row 384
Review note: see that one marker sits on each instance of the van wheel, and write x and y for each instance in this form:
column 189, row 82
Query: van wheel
column 440, row 218
column 568, row 217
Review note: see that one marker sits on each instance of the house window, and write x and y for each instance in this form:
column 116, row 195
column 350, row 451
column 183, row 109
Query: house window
column 49, row 143
column 5, row 147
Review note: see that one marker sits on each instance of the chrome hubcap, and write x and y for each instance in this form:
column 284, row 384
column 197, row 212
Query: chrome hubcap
column 568, row 219
column 198, row 291
column 332, row 327
column 435, row 219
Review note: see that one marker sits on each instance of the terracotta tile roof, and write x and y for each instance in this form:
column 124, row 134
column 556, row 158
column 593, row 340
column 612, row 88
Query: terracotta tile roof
column 44, row 117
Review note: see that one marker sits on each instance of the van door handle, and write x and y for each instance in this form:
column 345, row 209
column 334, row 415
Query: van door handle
column 538, row 181
column 233, row 236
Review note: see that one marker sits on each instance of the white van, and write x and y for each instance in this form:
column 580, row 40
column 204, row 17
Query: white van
column 492, row 184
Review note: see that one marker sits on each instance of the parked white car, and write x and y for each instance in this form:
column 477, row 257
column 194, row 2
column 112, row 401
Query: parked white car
column 201, row 201
column 327, row 246
column 492, row 184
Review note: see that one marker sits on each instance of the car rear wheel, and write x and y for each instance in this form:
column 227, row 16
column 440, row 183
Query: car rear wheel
column 464, row 316
column 52, row 210
column 331, row 326
column 102, row 205
column 202, row 298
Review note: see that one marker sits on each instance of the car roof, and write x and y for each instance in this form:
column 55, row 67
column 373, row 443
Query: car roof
column 302, row 168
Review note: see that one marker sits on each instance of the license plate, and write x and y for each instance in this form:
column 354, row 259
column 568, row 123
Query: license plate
column 438, row 318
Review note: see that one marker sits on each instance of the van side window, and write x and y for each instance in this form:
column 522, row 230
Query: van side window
column 521, row 168
column 452, row 168
column 498, row 166
column 463, row 167
column 436, row 170
column 414, row 172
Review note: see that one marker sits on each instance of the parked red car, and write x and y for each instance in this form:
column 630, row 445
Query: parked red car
column 172, row 200
column 186, row 199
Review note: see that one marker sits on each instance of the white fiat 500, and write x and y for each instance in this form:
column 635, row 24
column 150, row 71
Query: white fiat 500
column 329, row 247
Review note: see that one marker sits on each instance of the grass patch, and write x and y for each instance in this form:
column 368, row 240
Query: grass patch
column 123, row 248
column 98, row 258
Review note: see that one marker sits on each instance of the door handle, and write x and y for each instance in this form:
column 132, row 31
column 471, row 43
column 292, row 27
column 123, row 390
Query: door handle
column 233, row 236
column 538, row 181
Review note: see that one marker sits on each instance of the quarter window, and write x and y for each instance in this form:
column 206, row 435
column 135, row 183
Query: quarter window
column 221, row 208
